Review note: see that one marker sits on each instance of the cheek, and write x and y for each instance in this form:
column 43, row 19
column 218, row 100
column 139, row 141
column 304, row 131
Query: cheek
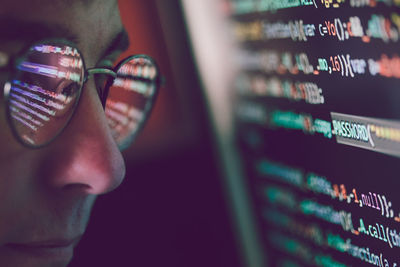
column 13, row 186
column 13, row 168
column 8, row 143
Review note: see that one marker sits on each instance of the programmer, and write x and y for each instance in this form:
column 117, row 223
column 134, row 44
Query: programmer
column 65, row 115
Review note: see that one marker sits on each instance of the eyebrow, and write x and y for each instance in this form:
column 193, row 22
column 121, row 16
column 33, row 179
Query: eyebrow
column 19, row 30
column 120, row 42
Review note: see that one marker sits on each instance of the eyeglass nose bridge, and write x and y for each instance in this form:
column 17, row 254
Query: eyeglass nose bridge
column 92, row 71
column 102, row 71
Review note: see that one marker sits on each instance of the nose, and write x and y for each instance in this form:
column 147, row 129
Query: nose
column 85, row 156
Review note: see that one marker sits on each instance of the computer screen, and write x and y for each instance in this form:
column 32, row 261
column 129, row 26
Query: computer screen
column 317, row 128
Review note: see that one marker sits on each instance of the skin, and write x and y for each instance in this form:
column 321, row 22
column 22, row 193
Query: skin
column 48, row 193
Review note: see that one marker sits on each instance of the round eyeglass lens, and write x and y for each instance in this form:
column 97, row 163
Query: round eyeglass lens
column 44, row 91
column 130, row 98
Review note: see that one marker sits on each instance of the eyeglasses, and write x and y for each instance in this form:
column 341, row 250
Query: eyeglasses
column 45, row 83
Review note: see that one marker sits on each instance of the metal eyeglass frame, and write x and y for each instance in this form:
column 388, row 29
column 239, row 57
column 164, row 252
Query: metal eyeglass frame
column 12, row 63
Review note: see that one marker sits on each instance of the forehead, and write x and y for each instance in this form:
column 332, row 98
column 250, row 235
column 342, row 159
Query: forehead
column 91, row 23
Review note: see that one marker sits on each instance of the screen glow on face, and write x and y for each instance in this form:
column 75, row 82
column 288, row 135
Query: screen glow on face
column 44, row 91
column 45, row 87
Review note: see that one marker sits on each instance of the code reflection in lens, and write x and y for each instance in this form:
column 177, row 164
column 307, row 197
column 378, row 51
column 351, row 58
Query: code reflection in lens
column 44, row 91
column 130, row 98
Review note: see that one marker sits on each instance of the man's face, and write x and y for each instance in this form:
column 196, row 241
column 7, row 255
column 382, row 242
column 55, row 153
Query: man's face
column 46, row 194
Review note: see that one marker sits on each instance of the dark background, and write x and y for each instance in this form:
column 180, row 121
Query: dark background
column 171, row 209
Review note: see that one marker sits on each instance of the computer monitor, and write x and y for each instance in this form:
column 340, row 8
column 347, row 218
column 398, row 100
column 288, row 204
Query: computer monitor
column 310, row 141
